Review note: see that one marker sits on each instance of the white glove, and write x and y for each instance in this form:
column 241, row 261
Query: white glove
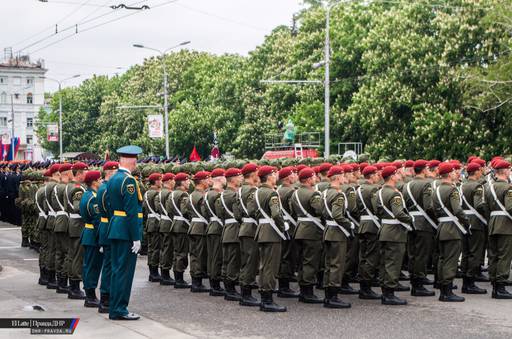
column 101, row 249
column 136, row 246
column 286, row 226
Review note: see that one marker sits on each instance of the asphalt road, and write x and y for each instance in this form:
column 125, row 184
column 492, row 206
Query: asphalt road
column 168, row 312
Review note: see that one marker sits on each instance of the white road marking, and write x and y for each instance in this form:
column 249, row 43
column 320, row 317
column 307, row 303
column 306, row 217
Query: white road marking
column 9, row 228
column 8, row 247
column 31, row 259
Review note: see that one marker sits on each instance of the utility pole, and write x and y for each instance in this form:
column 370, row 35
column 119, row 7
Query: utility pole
column 12, row 128
column 327, row 105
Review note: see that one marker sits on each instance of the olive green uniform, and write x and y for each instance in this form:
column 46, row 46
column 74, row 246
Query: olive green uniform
column 33, row 214
column 352, row 212
column 164, row 227
column 50, row 223
column 76, row 225
column 289, row 253
column 152, row 228
column 58, row 201
column 197, row 234
column 213, row 237
column 248, row 245
column 21, row 202
column 178, row 202
column 41, row 227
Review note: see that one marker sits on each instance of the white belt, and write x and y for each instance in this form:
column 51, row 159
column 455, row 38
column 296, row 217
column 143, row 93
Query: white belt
column 416, row 213
column 499, row 213
column 303, row 219
column 74, row 216
column 469, row 212
column 61, row 213
column 366, row 217
column 164, row 217
column 199, row 220
column 390, row 221
column 265, row 221
column 154, row 215
column 230, row 221
column 446, row 219
column 332, row 223
column 180, row 218
column 215, row 219
column 249, row 221
column 51, row 214
column 42, row 214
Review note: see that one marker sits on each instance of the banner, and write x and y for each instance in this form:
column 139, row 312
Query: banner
column 155, row 126
column 6, row 137
column 52, row 133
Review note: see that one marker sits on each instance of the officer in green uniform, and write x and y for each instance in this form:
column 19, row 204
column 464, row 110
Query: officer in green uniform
column 139, row 176
column 177, row 203
column 102, row 199
column 214, row 233
column 473, row 246
column 322, row 175
column 306, row 203
column 41, row 229
column 152, row 226
column 74, row 192
column 390, row 207
column 227, row 211
column 50, row 223
column 22, row 203
column 197, row 232
column 167, row 248
column 369, row 225
column 269, row 234
column 500, row 229
column 418, row 200
column 337, row 232
column 93, row 258
column 125, row 231
column 452, row 227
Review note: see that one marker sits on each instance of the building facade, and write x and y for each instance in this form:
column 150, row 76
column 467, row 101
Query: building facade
column 21, row 97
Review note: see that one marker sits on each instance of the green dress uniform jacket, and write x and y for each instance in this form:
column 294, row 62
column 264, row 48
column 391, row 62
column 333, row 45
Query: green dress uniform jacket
column 285, row 194
column 269, row 205
column 152, row 222
column 58, row 201
column 48, row 191
column 322, row 185
column 367, row 192
column 194, row 210
column 90, row 214
column 474, row 194
column 227, row 211
column 500, row 223
column 105, row 214
column 74, row 192
column 177, row 203
column 245, row 195
column 40, row 203
column 451, row 199
column 214, row 222
column 335, row 202
column 421, row 190
column 391, row 229
column 311, row 201
column 164, row 225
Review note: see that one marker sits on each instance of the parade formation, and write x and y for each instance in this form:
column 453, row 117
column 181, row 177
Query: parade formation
column 245, row 226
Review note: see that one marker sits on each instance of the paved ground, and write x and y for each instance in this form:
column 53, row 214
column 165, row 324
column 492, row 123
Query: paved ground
column 167, row 312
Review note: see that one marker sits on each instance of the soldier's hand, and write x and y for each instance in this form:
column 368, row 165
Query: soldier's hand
column 101, row 249
column 136, row 246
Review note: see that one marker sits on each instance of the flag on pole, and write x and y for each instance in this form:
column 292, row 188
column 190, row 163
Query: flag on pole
column 107, row 155
column 194, row 156
column 215, row 153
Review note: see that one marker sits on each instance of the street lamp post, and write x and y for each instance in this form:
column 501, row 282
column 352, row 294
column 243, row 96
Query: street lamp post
column 166, row 94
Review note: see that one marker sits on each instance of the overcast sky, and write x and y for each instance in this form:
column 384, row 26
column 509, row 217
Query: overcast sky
column 216, row 26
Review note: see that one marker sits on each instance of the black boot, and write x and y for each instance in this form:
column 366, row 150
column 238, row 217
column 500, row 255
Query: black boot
column 90, row 298
column 347, row 289
column 366, row 292
column 418, row 290
column 104, row 303
column 52, row 283
column 448, row 296
column 180, row 282
column 285, row 291
column 43, row 276
column 331, row 299
column 389, row 297
column 231, row 293
column 247, row 298
column 268, row 305
column 25, row 242
column 215, row 289
column 154, row 276
column 197, row 286
column 481, row 278
column 425, row 281
column 308, row 297
column 500, row 292
column 62, row 285
column 403, row 277
column 74, row 290
column 402, row 288
column 320, row 280
column 469, row 287
column 166, row 279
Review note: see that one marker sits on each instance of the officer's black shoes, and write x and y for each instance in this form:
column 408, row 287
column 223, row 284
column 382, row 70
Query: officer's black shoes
column 215, row 289
column 438, row 286
column 43, row 277
column 425, row 281
column 508, row 283
column 247, row 298
column 166, row 279
column 25, row 242
column 231, row 293
column 62, row 285
column 154, row 276
column 482, row 278
column 419, row 290
column 331, row 299
column 448, row 296
column 90, row 298
column 74, row 290
column 52, row 283
column 180, row 283
column 469, row 287
column 389, row 298
column 366, row 292
column 285, row 291
column 402, row 288
column 268, row 305
column 403, row 277
column 308, row 297
column 129, row 316
column 500, row 292
column 104, row 303
column 347, row 289
column 197, row 286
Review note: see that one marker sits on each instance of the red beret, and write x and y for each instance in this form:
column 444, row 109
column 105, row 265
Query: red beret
column 433, row 163
column 168, row 176
column 181, row 176
column 347, row 168
column 111, row 165
column 501, row 164
column 316, row 169
column 409, row 163
column 335, row 170
column 363, row 165
column 355, row 167
column 155, row 176
column 379, row 166
column 456, row 164
column 300, row 167
column 397, row 163
column 91, row 176
column 285, row 172
column 388, row 171
column 65, row 167
column 369, row 170
column 54, row 168
column 232, row 172
column 306, row 173
column 249, row 168
column 445, row 168
column 420, row 163
column 266, row 170
column 201, row 175
column 472, row 167
column 218, row 172
column 479, row 161
column 325, row 167
column 47, row 173
column 77, row 166
column 497, row 158
column 471, row 158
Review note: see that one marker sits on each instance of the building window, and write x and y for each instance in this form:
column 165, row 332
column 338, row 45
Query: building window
column 3, row 122
column 16, row 96
column 29, row 139
column 16, row 81
column 30, row 81
column 29, row 98
column 30, row 122
column 3, row 98
column 3, row 80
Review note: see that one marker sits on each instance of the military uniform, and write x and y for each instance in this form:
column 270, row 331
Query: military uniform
column 105, row 214
column 152, row 234
column 352, row 211
column 32, row 215
column 214, row 243
column 50, row 235
column 58, row 201
column 22, row 203
column 74, row 192
column 248, row 244
column 43, row 234
column 178, row 202
column 164, row 227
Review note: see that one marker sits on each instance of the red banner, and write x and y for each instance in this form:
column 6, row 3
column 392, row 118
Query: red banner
column 306, row 153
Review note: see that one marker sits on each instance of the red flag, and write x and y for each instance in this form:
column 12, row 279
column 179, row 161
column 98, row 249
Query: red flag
column 215, row 153
column 194, row 156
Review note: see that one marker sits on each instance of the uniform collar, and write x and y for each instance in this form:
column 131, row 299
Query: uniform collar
column 124, row 170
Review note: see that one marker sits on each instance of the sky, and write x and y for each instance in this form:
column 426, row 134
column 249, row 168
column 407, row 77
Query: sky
column 215, row 26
